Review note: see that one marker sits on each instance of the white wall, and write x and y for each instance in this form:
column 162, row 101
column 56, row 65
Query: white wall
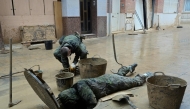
column 185, row 18
column 122, row 21
column 108, row 26
column 70, row 8
column 101, row 7
column 165, row 19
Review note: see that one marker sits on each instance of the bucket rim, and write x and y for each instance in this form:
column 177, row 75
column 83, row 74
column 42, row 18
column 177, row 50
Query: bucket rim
column 48, row 40
column 81, row 61
column 70, row 76
column 165, row 86
column 93, row 58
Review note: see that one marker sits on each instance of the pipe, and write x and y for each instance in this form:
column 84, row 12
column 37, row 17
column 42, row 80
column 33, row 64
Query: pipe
column 113, row 41
column 10, row 74
column 110, row 2
column 153, row 6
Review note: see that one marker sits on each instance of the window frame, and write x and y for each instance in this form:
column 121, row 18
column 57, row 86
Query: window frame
column 185, row 6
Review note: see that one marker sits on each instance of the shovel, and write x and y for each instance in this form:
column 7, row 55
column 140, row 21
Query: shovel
column 158, row 27
column 122, row 97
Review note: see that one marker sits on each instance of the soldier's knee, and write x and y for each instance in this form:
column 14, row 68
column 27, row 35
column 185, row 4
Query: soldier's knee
column 55, row 54
column 84, row 55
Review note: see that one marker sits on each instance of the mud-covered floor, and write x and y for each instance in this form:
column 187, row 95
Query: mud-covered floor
column 164, row 50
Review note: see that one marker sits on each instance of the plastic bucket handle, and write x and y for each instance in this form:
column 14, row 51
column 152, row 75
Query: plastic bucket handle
column 174, row 86
column 158, row 72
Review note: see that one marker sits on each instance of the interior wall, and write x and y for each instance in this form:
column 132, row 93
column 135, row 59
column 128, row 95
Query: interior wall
column 122, row 22
column 165, row 20
column 101, row 18
column 71, row 16
column 11, row 25
column 28, row 16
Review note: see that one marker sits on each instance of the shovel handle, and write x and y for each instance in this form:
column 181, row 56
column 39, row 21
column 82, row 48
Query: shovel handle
column 131, row 104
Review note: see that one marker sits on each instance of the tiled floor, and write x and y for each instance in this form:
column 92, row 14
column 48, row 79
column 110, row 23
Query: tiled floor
column 164, row 50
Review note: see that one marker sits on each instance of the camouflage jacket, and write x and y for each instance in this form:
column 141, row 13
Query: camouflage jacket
column 73, row 42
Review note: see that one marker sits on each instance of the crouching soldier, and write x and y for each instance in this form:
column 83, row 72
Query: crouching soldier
column 68, row 45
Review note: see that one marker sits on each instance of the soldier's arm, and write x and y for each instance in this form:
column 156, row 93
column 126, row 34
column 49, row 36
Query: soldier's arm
column 77, row 55
column 76, row 58
column 61, row 40
column 86, row 93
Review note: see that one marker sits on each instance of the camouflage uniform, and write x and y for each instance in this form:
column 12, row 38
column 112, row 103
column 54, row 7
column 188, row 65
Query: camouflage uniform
column 75, row 44
column 88, row 91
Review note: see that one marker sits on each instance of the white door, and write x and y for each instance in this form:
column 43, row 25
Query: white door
column 149, row 12
column 115, row 15
column 139, row 10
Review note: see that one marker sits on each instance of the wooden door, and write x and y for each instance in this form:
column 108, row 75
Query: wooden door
column 58, row 19
column 85, row 15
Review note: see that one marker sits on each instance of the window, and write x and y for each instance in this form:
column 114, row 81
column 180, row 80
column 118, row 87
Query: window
column 170, row 6
column 187, row 6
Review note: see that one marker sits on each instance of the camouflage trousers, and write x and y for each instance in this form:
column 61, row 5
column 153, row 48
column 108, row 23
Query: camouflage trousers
column 90, row 90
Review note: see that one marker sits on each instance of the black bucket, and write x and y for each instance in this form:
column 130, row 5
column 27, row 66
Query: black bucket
column 48, row 44
column 64, row 80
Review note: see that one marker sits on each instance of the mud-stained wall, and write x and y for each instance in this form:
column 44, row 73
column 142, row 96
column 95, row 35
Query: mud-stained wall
column 159, row 5
column 38, row 33
column 101, row 26
column 101, row 18
column 70, row 25
column 71, row 16
column 24, row 13
column 166, row 19
column 11, row 25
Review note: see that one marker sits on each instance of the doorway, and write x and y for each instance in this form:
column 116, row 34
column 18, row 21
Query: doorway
column 144, row 10
column 85, row 16
column 115, row 16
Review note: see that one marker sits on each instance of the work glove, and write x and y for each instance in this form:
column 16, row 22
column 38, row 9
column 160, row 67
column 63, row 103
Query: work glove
column 72, row 67
column 64, row 70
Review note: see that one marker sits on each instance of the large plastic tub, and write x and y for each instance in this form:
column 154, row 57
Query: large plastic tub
column 92, row 67
column 165, row 92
